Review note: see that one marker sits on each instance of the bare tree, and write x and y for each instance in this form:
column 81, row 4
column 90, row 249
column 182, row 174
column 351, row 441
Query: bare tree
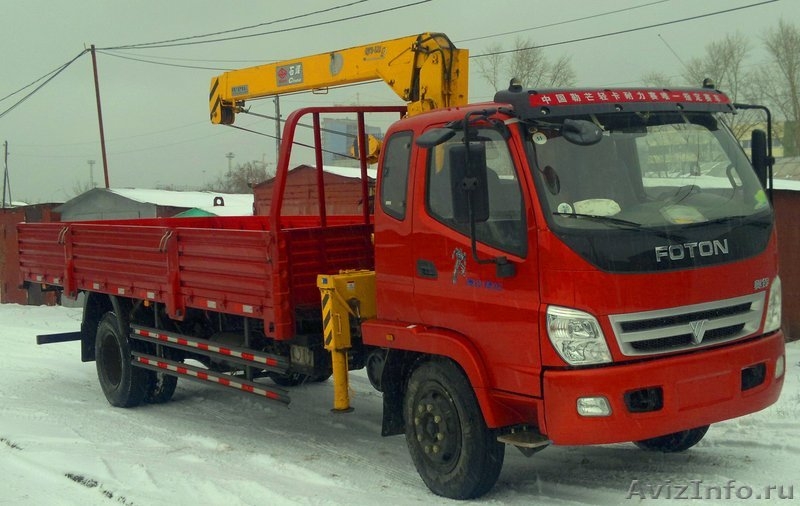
column 560, row 73
column 779, row 81
column 658, row 79
column 81, row 187
column 724, row 63
column 241, row 178
column 527, row 63
column 489, row 66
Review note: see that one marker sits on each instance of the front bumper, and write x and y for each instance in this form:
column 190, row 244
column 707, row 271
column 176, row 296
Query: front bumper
column 697, row 389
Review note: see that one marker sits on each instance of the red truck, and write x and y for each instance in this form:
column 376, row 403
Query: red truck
column 565, row 267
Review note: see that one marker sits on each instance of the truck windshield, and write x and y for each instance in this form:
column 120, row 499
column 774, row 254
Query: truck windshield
column 660, row 175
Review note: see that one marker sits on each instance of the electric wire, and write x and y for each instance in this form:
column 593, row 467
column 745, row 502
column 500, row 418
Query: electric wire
column 282, row 30
column 294, row 142
column 176, row 65
column 154, row 57
column 620, row 32
column 266, row 23
column 57, row 69
column 304, row 125
column 206, row 60
column 559, row 23
column 60, row 69
column 52, row 75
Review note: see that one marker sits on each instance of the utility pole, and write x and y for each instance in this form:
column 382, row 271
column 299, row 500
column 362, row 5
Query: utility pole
column 100, row 116
column 6, row 180
column 230, row 157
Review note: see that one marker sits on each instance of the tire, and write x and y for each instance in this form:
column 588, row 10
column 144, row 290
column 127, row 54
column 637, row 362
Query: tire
column 376, row 361
column 454, row 452
column 675, row 442
column 123, row 384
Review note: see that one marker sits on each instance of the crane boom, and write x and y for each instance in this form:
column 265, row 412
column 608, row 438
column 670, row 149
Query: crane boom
column 425, row 70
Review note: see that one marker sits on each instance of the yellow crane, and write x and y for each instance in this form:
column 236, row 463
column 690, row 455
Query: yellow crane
column 425, row 70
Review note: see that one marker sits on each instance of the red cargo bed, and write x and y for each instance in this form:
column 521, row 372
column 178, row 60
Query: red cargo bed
column 234, row 265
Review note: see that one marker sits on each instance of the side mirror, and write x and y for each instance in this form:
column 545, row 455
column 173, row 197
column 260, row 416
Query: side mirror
column 759, row 156
column 468, row 182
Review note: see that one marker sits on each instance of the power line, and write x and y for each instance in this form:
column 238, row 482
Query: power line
column 266, row 23
column 620, row 32
column 177, row 65
column 205, row 60
column 52, row 75
column 57, row 69
column 283, row 30
column 559, row 23
column 296, row 142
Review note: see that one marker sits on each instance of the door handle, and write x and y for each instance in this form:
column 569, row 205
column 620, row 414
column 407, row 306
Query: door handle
column 426, row 269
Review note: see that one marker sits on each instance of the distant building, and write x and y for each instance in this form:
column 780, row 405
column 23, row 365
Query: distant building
column 116, row 204
column 343, row 194
column 787, row 168
column 339, row 139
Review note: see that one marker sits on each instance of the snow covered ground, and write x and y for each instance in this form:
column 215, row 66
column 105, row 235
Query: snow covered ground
column 62, row 444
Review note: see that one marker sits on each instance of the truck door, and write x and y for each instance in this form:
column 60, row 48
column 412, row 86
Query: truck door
column 455, row 290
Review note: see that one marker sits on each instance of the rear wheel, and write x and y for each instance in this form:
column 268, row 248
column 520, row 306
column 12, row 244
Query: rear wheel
column 123, row 384
column 454, row 452
column 675, row 442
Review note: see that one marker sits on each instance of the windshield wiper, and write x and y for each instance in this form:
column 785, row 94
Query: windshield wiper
column 620, row 223
column 603, row 219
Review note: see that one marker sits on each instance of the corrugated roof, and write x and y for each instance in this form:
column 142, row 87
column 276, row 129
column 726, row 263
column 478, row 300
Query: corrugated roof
column 350, row 172
column 354, row 172
column 236, row 204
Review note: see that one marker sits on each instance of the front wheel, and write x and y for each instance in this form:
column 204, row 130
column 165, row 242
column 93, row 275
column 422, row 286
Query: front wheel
column 123, row 384
column 675, row 442
column 454, row 452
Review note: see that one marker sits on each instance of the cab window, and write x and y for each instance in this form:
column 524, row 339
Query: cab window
column 394, row 176
column 505, row 227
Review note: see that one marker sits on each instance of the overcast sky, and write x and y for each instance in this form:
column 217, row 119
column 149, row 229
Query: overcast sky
column 156, row 116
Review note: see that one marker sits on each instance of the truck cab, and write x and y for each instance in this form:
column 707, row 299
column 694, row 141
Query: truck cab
column 601, row 264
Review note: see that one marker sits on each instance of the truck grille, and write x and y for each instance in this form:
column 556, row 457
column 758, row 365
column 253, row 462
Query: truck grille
column 688, row 327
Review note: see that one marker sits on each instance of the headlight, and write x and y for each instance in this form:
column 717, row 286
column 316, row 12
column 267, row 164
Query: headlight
column 773, row 319
column 576, row 336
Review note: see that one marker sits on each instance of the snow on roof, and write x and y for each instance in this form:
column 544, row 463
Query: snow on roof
column 236, row 204
column 785, row 184
column 354, row 172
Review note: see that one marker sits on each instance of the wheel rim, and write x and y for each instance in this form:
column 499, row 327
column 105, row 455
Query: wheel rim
column 437, row 428
column 112, row 360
